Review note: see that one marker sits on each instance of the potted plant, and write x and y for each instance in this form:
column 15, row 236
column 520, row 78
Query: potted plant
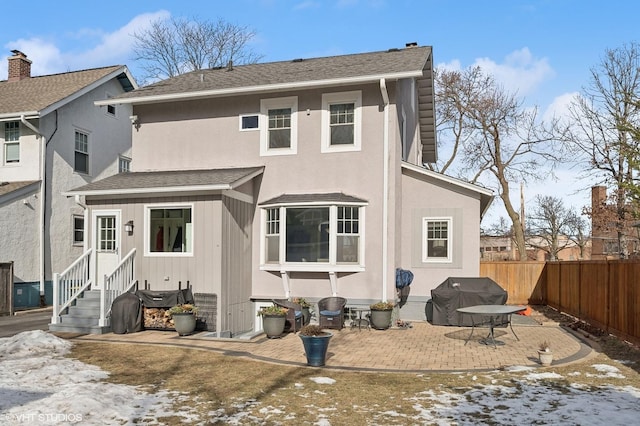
column 545, row 354
column 273, row 320
column 381, row 315
column 184, row 318
column 316, row 342
column 306, row 309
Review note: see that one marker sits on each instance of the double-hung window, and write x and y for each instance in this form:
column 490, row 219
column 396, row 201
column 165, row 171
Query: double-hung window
column 312, row 237
column 78, row 230
column 436, row 239
column 278, row 126
column 341, row 121
column 11, row 142
column 170, row 230
column 81, row 153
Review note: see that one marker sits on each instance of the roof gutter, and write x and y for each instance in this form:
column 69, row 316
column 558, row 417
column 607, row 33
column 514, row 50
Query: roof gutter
column 43, row 159
column 256, row 89
column 385, row 189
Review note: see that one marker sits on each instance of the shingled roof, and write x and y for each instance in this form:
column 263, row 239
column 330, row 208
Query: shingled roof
column 155, row 182
column 35, row 94
column 297, row 73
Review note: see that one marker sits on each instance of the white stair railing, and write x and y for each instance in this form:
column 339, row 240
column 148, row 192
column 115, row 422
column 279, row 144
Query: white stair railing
column 121, row 280
column 69, row 285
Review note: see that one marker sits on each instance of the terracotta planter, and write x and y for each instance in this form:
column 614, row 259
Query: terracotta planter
column 315, row 348
column 273, row 325
column 381, row 320
column 185, row 323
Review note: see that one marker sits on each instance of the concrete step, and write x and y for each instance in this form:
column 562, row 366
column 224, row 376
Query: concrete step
column 69, row 328
column 79, row 320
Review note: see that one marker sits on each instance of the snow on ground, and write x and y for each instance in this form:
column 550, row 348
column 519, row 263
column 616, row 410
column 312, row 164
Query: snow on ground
column 38, row 385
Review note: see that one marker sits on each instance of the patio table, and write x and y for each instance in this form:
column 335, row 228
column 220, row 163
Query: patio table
column 488, row 315
column 359, row 321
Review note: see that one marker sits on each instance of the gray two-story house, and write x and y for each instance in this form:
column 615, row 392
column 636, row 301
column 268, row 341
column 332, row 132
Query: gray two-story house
column 302, row 178
column 54, row 138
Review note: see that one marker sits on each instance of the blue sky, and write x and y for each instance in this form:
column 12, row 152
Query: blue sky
column 544, row 49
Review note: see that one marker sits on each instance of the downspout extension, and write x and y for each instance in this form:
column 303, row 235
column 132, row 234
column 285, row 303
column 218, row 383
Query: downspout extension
column 385, row 189
column 43, row 159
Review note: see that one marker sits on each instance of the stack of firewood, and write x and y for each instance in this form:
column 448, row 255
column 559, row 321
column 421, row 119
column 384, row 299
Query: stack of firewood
column 157, row 318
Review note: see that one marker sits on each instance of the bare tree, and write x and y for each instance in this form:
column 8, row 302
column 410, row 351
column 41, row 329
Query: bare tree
column 553, row 227
column 171, row 47
column 493, row 136
column 605, row 118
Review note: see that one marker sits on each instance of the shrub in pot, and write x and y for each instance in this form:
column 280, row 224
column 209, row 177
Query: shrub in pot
column 184, row 318
column 545, row 354
column 381, row 315
column 273, row 320
column 316, row 342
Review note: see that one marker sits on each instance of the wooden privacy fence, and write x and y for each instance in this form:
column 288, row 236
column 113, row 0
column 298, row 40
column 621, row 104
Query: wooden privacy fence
column 603, row 293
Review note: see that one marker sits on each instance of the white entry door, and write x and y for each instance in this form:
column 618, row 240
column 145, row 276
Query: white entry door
column 106, row 244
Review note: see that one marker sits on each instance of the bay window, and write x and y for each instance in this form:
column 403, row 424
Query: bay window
column 313, row 235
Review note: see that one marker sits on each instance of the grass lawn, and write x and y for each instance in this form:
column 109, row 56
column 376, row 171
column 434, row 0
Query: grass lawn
column 220, row 389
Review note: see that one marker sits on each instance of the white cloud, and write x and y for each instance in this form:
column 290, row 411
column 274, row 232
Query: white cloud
column 559, row 107
column 114, row 48
column 519, row 72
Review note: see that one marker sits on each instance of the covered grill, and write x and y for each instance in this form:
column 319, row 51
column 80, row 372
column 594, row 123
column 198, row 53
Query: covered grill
column 456, row 293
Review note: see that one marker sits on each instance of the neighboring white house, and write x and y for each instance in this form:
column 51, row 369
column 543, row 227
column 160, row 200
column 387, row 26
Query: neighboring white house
column 54, row 138
column 300, row 178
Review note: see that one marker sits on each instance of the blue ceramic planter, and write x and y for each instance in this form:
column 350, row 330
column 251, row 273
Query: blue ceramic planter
column 315, row 347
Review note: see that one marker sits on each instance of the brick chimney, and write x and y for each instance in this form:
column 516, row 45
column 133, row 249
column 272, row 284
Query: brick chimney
column 19, row 66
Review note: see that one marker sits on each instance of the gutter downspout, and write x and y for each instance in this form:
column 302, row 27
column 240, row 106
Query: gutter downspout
column 43, row 159
column 385, row 189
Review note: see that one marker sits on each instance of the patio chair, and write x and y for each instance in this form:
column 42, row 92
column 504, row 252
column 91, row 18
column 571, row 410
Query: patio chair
column 294, row 314
column 331, row 312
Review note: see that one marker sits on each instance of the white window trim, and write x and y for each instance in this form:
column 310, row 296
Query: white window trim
column 12, row 142
column 147, row 224
column 354, row 97
column 124, row 158
column 106, row 108
column 73, row 230
column 85, row 132
column 263, row 124
column 241, row 116
column 449, row 258
column 332, row 265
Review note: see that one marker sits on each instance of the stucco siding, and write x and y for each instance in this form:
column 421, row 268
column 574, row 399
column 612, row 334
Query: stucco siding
column 20, row 238
column 28, row 168
column 108, row 136
column 429, row 198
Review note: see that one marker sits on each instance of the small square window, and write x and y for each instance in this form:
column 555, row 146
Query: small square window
column 249, row 122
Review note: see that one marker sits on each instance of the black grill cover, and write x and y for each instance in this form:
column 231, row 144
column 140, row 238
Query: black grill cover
column 165, row 298
column 456, row 293
column 126, row 314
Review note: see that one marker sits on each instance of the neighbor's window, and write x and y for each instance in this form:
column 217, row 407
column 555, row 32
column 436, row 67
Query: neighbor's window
column 11, row 142
column 313, row 234
column 249, row 122
column 436, row 246
column 78, row 230
column 124, row 164
column 341, row 114
column 170, row 229
column 279, row 126
column 81, row 154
